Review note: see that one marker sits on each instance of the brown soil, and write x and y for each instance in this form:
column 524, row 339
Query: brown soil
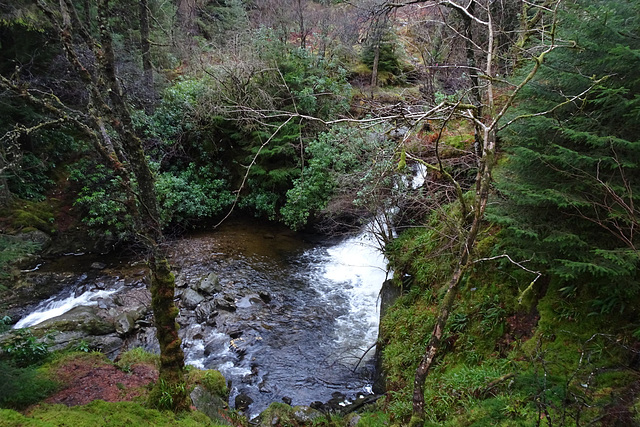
column 86, row 381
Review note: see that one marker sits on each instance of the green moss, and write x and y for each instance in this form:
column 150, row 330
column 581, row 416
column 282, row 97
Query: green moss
column 374, row 419
column 213, row 381
column 33, row 215
column 125, row 414
column 138, row 356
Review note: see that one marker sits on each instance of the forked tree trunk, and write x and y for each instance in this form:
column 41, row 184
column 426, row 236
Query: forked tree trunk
column 483, row 183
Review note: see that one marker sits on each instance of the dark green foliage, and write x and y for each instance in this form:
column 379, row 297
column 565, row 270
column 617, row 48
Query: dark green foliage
column 12, row 249
column 102, row 200
column 388, row 56
column 572, row 179
column 33, row 157
column 330, row 157
column 22, row 386
column 24, row 349
column 351, row 166
column 190, row 195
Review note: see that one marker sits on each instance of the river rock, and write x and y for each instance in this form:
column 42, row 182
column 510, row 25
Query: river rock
column 126, row 322
column 40, row 238
column 226, row 302
column 242, row 402
column 191, row 298
column 282, row 414
column 98, row 265
column 205, row 313
column 210, row 284
column 82, row 318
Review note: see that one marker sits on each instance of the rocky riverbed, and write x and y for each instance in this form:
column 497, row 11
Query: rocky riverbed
column 257, row 303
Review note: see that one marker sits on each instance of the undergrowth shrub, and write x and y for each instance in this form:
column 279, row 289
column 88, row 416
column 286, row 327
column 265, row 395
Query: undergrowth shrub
column 23, row 386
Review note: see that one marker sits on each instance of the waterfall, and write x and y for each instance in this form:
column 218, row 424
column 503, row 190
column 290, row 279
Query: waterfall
column 56, row 306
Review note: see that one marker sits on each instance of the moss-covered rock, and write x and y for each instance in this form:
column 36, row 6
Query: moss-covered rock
column 80, row 318
column 283, row 415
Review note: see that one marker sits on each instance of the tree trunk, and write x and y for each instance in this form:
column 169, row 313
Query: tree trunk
column 428, row 358
column 145, row 45
column 301, row 29
column 171, row 379
column 374, row 68
column 5, row 194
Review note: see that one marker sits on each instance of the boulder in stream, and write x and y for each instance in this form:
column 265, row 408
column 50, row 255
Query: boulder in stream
column 81, row 318
column 209, row 285
column 242, row 402
column 206, row 313
column 191, row 298
column 226, row 302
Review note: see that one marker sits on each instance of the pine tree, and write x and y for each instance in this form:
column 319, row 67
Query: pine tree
column 572, row 179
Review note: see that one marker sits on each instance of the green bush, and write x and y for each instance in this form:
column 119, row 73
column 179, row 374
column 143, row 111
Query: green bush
column 102, row 201
column 191, row 194
column 25, row 349
column 23, row 386
column 12, row 249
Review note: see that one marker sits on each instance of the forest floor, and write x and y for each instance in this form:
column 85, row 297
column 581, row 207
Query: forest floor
column 87, row 379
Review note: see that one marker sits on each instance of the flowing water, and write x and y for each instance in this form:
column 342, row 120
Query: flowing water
column 304, row 315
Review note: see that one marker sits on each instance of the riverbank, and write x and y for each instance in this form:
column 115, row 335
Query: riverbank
column 283, row 317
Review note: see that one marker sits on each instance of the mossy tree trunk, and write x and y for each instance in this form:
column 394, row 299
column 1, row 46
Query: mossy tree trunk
column 108, row 124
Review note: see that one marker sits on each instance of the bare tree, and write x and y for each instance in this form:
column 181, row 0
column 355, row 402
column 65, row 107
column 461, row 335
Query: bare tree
column 477, row 27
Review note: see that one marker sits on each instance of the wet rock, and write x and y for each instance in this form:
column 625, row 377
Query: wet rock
column 110, row 345
column 335, row 403
column 104, row 304
column 190, row 298
column 79, row 318
column 226, row 302
column 264, row 296
column 205, row 313
column 242, row 402
column 181, row 281
column 317, row 405
column 352, row 420
column 287, row 400
column 361, row 402
column 98, row 266
column 40, row 238
column 209, row 285
column 126, row 322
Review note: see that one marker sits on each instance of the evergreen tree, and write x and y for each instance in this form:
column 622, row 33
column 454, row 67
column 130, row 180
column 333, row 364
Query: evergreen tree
column 572, row 181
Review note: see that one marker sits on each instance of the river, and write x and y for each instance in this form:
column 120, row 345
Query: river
column 294, row 317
